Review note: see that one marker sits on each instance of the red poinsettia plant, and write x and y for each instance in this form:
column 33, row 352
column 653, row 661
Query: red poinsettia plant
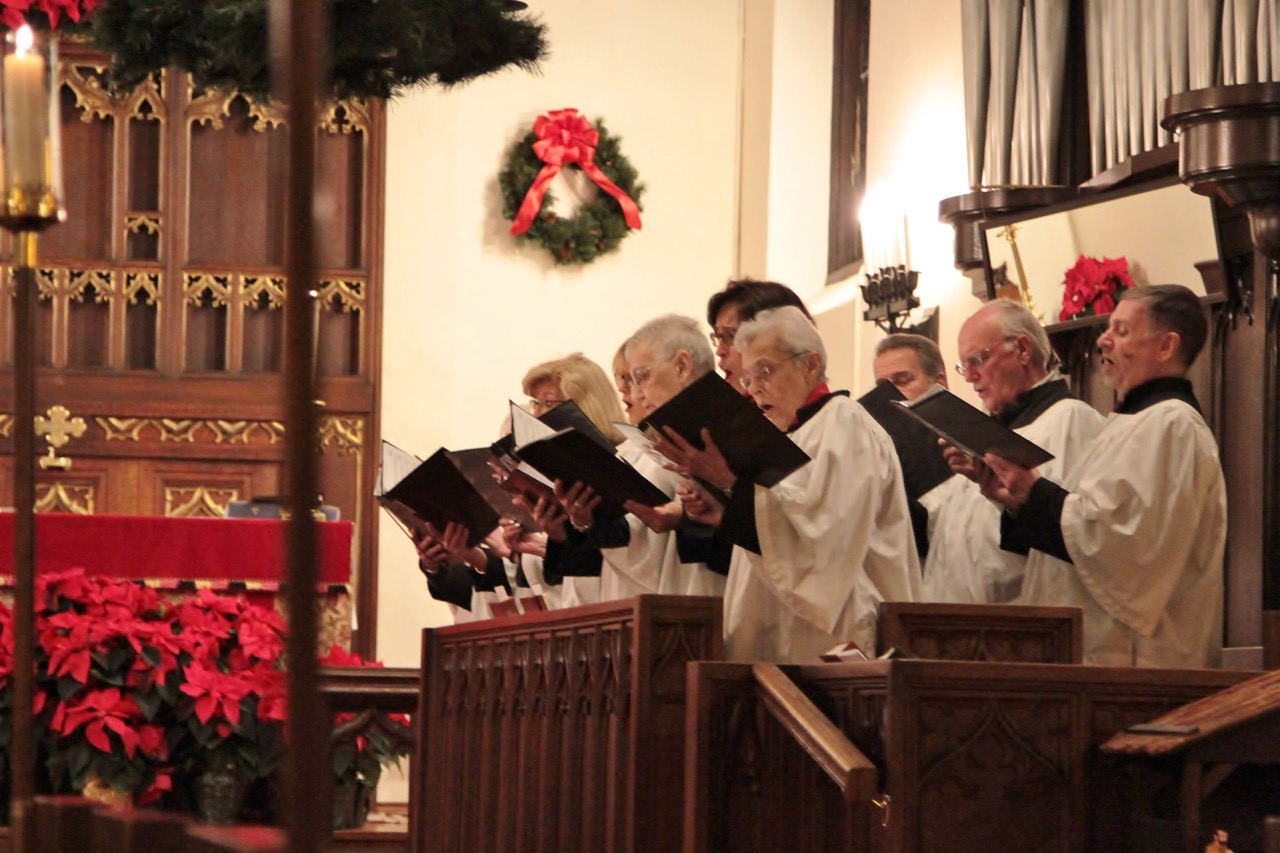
column 362, row 747
column 132, row 689
column 15, row 13
column 1092, row 286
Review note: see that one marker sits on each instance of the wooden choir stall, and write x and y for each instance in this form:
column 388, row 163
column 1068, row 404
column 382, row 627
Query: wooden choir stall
column 615, row 727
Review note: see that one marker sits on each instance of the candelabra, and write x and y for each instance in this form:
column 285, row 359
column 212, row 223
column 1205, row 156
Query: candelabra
column 31, row 196
column 890, row 295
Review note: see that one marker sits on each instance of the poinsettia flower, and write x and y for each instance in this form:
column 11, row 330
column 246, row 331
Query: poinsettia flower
column 162, row 783
column 338, row 656
column 270, row 685
column 214, row 691
column 13, row 12
column 100, row 711
column 152, row 741
column 260, row 640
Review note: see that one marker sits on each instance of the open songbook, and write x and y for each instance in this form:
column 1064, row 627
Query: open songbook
column 923, row 465
column 971, row 430
column 458, row 486
column 750, row 443
column 573, row 455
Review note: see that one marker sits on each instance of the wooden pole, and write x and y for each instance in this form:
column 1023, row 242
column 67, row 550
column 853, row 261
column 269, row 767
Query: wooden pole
column 22, row 771
column 301, row 26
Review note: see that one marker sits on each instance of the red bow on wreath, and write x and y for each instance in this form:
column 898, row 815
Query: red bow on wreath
column 564, row 138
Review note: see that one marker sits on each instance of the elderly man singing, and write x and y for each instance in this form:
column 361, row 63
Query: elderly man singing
column 1004, row 355
column 819, row 551
column 1135, row 532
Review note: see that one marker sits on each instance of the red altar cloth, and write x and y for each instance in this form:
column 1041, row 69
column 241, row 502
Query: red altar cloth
column 217, row 550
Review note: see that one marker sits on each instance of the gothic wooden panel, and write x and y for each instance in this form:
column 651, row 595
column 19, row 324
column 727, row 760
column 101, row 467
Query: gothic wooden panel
column 560, row 731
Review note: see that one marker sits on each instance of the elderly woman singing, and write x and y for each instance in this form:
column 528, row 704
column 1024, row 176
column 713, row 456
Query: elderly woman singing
column 815, row 554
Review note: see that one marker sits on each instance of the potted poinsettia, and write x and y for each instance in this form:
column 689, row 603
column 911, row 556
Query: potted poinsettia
column 96, row 699
column 1091, row 287
column 230, row 696
column 362, row 746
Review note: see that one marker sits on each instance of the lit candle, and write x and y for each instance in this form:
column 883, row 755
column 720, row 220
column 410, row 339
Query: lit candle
column 26, row 113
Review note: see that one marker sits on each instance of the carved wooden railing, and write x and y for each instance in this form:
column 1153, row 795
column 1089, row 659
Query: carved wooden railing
column 971, row 757
column 558, row 731
column 1005, row 633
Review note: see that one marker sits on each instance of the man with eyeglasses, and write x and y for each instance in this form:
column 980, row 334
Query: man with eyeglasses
column 1135, row 533
column 1005, row 355
column 739, row 302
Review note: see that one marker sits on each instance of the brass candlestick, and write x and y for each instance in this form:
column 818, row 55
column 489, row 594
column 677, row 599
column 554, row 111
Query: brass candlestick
column 31, row 191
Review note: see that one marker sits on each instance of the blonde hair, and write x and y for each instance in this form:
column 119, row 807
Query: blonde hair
column 620, row 366
column 584, row 382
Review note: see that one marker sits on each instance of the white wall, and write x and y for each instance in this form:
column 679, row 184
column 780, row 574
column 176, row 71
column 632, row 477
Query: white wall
column 467, row 311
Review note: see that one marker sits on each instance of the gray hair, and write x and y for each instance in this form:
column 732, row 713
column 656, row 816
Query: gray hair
column 1016, row 319
column 926, row 351
column 670, row 333
column 795, row 332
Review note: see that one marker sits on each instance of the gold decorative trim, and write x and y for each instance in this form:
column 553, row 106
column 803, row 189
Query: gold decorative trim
column 139, row 223
column 77, row 499
column 6, row 426
column 198, row 501
column 349, row 116
column 142, row 282
column 195, row 285
column 103, row 282
column 345, row 434
column 265, row 116
column 207, row 106
column 255, row 286
column 92, row 98
column 348, row 292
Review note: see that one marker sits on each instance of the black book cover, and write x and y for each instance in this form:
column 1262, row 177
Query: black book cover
column 436, row 491
column 572, row 457
column 923, row 465
column 972, row 430
column 495, row 484
column 750, row 443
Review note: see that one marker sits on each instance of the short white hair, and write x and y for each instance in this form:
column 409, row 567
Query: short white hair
column 670, row 333
column 795, row 332
column 1016, row 319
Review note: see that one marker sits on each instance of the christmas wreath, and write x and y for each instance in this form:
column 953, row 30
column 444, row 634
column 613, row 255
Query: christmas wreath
column 564, row 139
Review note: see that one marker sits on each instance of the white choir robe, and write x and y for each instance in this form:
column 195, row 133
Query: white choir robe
column 965, row 563
column 835, row 539
column 650, row 562
column 1145, row 525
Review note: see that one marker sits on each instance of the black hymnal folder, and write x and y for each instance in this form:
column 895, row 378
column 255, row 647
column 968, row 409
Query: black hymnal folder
column 571, row 456
column 972, row 430
column 434, row 491
column 749, row 442
column 923, row 465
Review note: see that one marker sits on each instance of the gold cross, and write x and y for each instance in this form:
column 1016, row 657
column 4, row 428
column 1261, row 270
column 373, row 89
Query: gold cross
column 58, row 428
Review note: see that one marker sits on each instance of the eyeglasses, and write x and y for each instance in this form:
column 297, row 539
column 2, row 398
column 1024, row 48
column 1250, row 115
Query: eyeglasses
column 622, row 380
column 545, row 405
column 723, row 336
column 966, row 367
column 764, row 371
column 641, row 375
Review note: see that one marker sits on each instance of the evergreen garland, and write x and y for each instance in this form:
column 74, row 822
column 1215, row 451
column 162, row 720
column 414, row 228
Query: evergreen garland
column 598, row 226
column 381, row 48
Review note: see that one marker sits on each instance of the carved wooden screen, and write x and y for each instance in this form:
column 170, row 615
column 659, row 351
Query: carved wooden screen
column 161, row 297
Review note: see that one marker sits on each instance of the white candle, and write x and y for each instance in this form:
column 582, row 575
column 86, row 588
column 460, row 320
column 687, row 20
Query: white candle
column 26, row 113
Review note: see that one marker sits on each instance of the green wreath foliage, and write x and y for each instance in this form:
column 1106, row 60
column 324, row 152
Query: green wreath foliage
column 381, row 48
column 598, row 226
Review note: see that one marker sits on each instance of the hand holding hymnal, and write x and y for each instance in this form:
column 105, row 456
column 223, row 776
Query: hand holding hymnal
column 706, row 463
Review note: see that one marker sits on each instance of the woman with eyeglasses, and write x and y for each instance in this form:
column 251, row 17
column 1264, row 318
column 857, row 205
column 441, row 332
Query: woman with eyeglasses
column 818, row 552
column 649, row 548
